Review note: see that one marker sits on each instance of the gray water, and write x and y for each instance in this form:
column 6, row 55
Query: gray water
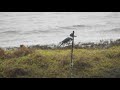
column 31, row 28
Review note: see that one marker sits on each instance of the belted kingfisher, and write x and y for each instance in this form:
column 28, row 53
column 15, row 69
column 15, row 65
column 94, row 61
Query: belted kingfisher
column 65, row 41
column 72, row 35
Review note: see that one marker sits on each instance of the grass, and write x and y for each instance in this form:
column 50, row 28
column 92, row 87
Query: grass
column 38, row 63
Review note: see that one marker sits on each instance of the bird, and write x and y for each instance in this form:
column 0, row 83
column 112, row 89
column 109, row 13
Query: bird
column 65, row 41
column 72, row 35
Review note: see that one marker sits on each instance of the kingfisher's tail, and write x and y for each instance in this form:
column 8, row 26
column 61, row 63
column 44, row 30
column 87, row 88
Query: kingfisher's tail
column 60, row 44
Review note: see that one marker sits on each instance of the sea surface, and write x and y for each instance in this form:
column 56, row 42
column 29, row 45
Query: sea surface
column 32, row 28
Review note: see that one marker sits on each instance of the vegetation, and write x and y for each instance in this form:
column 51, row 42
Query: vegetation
column 55, row 63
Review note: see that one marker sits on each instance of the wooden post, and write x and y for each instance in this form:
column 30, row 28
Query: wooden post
column 72, row 55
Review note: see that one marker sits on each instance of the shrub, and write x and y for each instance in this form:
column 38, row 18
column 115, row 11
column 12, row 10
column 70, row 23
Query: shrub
column 2, row 53
column 14, row 72
column 64, row 62
column 22, row 51
column 112, row 55
column 84, row 58
column 82, row 65
column 9, row 56
column 96, row 58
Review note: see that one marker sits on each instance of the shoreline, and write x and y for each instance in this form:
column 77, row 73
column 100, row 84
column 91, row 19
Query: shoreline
column 100, row 44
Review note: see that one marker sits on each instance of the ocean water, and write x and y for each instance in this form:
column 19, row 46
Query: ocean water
column 31, row 28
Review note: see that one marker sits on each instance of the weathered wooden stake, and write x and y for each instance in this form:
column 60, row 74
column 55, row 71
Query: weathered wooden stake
column 72, row 55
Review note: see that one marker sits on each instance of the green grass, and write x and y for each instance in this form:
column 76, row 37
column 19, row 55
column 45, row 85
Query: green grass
column 88, row 63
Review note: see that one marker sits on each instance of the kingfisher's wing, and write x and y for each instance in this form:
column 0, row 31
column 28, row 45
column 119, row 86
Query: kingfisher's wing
column 60, row 43
column 72, row 35
column 66, row 40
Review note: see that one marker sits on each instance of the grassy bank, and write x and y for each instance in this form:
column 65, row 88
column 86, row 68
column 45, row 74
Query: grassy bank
column 38, row 63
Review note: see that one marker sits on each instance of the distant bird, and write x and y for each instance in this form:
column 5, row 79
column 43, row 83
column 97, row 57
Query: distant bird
column 66, row 41
column 72, row 35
